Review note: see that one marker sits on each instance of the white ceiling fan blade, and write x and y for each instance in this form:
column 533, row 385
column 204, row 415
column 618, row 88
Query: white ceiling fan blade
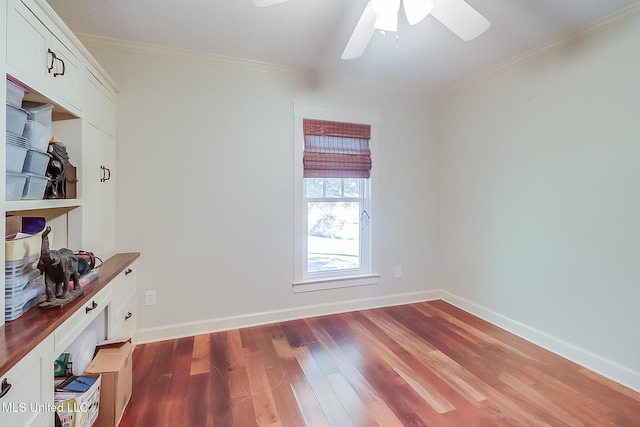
column 386, row 14
column 417, row 10
column 263, row 3
column 361, row 34
column 459, row 17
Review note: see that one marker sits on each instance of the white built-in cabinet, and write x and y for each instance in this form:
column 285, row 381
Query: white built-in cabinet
column 38, row 49
column 31, row 385
column 40, row 57
column 100, row 130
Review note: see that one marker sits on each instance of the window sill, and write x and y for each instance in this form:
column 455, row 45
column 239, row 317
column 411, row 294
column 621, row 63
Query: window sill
column 312, row 285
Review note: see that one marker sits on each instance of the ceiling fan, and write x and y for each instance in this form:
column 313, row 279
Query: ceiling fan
column 457, row 15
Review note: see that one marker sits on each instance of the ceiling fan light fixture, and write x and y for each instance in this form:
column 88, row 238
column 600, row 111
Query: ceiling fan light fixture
column 417, row 10
column 386, row 14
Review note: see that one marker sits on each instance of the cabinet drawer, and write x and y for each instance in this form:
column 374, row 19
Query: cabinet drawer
column 27, row 403
column 74, row 325
column 126, row 321
column 124, row 286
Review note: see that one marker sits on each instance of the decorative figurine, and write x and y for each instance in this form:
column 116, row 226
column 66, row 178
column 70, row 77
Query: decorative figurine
column 56, row 170
column 59, row 266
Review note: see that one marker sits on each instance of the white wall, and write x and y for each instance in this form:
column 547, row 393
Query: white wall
column 205, row 184
column 540, row 190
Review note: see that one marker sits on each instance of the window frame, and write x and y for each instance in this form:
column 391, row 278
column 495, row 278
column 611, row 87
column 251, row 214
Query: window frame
column 344, row 278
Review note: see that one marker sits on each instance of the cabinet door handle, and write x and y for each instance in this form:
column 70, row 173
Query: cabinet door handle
column 93, row 307
column 128, row 271
column 63, row 68
column 53, row 60
column 5, row 388
column 106, row 174
column 128, row 315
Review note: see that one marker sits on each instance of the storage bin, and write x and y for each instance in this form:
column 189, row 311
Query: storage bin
column 20, row 267
column 37, row 134
column 14, row 312
column 13, row 287
column 14, row 185
column 25, row 247
column 15, row 92
column 39, row 112
column 36, row 162
column 16, row 119
column 15, row 157
column 29, row 292
column 34, row 187
column 17, row 140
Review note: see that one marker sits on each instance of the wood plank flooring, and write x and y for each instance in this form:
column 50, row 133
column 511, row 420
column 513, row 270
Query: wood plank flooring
column 425, row 364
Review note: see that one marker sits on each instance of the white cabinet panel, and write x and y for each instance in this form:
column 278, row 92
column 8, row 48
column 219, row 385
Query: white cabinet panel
column 40, row 60
column 71, row 328
column 124, row 319
column 27, row 47
column 66, row 74
column 31, row 382
column 107, row 194
column 100, row 161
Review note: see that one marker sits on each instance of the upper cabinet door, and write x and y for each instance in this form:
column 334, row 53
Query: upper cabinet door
column 28, row 52
column 40, row 60
column 66, row 74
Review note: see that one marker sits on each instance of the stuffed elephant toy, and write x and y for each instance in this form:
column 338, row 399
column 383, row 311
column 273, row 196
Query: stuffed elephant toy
column 59, row 267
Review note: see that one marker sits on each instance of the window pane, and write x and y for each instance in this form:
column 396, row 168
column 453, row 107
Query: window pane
column 314, row 186
column 351, row 187
column 333, row 187
column 333, row 240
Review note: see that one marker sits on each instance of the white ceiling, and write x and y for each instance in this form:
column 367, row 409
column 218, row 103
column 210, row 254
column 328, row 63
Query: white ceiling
column 311, row 34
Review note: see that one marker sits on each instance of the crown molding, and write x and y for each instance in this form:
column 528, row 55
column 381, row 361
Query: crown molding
column 124, row 46
column 628, row 14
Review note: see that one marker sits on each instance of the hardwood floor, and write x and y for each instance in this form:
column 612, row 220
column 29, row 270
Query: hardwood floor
column 426, row 364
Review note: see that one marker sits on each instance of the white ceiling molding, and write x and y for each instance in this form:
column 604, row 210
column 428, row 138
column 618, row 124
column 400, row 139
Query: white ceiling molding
column 611, row 21
column 115, row 45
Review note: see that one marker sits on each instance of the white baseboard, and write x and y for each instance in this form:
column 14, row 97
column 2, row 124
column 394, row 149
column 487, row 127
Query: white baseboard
column 161, row 333
column 621, row 374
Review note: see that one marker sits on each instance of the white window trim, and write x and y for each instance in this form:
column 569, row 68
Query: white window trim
column 319, row 112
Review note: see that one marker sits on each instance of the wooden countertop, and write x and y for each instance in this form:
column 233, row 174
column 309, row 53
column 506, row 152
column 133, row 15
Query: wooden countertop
column 18, row 337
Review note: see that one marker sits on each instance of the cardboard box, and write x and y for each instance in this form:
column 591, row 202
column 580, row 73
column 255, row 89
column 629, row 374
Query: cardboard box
column 79, row 409
column 71, row 182
column 114, row 362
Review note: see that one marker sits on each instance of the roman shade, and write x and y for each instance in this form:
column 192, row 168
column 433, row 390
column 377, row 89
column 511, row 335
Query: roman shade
column 336, row 150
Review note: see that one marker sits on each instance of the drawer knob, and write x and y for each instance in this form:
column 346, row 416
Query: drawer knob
column 128, row 315
column 92, row 307
column 5, row 388
column 128, row 271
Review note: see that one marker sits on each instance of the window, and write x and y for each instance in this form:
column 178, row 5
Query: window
column 333, row 192
column 337, row 225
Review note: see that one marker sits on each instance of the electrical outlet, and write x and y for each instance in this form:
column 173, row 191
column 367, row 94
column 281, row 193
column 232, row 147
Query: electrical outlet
column 398, row 271
column 149, row 298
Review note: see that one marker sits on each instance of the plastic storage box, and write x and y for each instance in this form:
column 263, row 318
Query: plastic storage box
column 14, row 309
column 15, row 157
column 39, row 112
column 15, row 92
column 24, row 247
column 15, row 185
column 16, row 119
column 14, row 287
column 20, row 267
column 37, row 134
column 36, row 162
column 34, row 187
